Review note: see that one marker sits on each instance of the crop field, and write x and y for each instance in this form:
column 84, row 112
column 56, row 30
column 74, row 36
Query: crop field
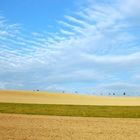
column 72, row 110
column 66, row 99
column 34, row 127
column 26, row 115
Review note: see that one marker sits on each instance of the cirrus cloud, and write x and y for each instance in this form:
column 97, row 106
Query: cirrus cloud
column 95, row 46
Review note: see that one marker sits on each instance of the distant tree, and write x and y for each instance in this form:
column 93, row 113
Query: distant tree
column 63, row 91
column 124, row 93
column 76, row 91
column 37, row 90
column 113, row 93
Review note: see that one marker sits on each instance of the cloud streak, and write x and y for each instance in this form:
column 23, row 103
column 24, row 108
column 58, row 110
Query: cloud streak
column 97, row 47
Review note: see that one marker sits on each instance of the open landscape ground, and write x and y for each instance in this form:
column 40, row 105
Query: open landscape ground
column 72, row 110
column 101, row 118
column 34, row 127
column 71, row 99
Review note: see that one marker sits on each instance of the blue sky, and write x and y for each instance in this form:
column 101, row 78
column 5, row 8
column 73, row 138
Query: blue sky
column 89, row 46
column 36, row 15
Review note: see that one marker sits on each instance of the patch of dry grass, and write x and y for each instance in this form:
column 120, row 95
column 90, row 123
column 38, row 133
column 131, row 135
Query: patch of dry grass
column 29, row 127
column 71, row 99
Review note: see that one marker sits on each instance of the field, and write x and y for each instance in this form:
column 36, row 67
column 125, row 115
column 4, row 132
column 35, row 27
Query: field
column 66, row 99
column 34, row 127
column 26, row 115
column 72, row 110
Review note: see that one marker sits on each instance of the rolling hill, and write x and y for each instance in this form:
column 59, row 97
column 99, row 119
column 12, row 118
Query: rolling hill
column 11, row 96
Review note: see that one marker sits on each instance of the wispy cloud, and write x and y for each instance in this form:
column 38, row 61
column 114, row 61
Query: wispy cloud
column 96, row 46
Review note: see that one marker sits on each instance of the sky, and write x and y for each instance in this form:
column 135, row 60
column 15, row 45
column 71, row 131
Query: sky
column 88, row 46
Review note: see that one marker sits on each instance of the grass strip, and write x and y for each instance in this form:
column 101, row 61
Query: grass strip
column 71, row 110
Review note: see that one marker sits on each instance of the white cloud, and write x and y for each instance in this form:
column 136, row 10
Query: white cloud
column 96, row 45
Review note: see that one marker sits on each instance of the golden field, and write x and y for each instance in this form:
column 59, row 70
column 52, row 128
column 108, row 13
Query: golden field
column 59, row 98
column 37, row 127
column 30, row 127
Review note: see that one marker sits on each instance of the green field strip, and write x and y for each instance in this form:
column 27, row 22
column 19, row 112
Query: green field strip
column 71, row 110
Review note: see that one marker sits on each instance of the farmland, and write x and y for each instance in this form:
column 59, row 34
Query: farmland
column 71, row 110
column 65, row 99
column 34, row 127
column 41, row 115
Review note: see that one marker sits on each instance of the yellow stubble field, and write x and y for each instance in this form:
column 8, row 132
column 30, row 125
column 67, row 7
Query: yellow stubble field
column 30, row 127
column 59, row 98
